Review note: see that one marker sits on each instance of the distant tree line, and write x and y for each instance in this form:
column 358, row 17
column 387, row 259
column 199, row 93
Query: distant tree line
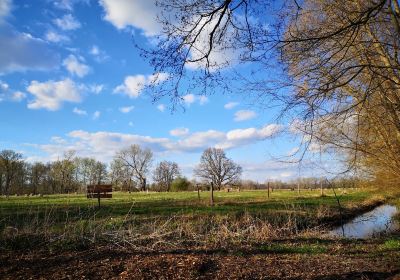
column 130, row 171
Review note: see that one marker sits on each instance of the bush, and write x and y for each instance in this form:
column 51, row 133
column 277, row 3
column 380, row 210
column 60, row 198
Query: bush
column 180, row 184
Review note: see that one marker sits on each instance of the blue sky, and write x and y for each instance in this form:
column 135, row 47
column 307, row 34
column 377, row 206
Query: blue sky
column 71, row 78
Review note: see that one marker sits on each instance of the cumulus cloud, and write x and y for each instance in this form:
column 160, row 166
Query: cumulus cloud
column 55, row 37
column 126, row 109
column 79, row 112
column 244, row 115
column 231, row 105
column 103, row 145
column 51, row 95
column 239, row 137
column 190, row 98
column 22, row 51
column 180, row 131
column 67, row 22
column 136, row 13
column 75, row 66
column 133, row 85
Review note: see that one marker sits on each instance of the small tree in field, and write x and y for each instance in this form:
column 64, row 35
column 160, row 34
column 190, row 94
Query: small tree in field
column 165, row 173
column 217, row 170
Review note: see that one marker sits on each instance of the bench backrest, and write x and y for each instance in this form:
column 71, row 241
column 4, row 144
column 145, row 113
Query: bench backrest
column 102, row 191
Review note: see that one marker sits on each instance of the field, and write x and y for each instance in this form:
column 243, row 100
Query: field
column 176, row 235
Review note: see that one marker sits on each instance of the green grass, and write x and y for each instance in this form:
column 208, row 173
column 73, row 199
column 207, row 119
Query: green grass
column 236, row 216
column 392, row 244
column 17, row 209
column 167, row 204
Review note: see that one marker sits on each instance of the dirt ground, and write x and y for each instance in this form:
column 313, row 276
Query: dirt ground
column 106, row 263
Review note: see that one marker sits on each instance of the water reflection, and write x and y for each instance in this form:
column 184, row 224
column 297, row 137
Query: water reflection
column 378, row 221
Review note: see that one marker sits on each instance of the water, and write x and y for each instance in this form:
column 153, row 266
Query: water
column 378, row 221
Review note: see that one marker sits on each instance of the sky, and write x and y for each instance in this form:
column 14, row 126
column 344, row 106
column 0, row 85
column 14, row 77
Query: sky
column 72, row 79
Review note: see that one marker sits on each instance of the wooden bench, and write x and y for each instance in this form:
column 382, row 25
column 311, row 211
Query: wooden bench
column 99, row 191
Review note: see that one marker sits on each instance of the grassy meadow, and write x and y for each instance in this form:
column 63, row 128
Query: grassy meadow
column 176, row 218
column 245, row 235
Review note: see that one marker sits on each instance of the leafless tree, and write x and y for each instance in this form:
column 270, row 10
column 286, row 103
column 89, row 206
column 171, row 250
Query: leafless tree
column 63, row 173
column 165, row 173
column 334, row 65
column 138, row 160
column 218, row 170
column 10, row 162
column 38, row 176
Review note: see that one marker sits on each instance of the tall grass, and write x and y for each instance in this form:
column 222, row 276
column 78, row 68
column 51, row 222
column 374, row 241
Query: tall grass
column 173, row 220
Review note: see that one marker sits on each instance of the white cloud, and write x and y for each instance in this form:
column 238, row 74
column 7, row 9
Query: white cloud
column 67, row 22
column 96, row 115
column 22, row 51
column 18, row 96
column 244, row 115
column 269, row 170
column 64, row 4
column 231, row 105
column 5, row 8
column 75, row 67
column 103, row 145
column 136, row 13
column 94, row 50
column 238, row 137
column 200, row 140
column 79, row 112
column 203, row 100
column 54, row 37
column 67, row 4
column 130, row 123
column 180, row 131
column 126, row 109
column 133, row 85
column 51, row 94
column 95, row 88
column 161, row 107
column 6, row 93
column 3, row 86
column 190, row 98
column 98, row 54
column 220, row 56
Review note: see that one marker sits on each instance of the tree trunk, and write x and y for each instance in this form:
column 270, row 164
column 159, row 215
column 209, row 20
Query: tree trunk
column 322, row 190
column 143, row 186
column 212, row 194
